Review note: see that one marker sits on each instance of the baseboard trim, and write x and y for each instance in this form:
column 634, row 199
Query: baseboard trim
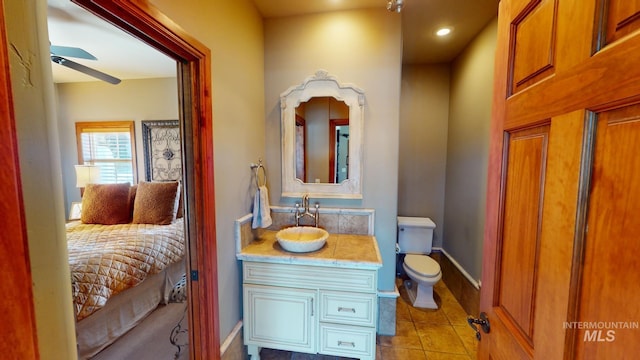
column 227, row 342
column 464, row 273
column 389, row 293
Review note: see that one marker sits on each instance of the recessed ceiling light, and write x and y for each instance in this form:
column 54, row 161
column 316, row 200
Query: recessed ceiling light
column 443, row 31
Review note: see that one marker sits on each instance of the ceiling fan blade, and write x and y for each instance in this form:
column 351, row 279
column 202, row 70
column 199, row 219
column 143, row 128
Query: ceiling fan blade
column 85, row 69
column 74, row 52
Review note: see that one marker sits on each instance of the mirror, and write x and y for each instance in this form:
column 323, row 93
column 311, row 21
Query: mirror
column 322, row 140
column 322, row 122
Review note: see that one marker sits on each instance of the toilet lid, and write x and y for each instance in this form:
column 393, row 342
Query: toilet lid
column 421, row 222
column 422, row 264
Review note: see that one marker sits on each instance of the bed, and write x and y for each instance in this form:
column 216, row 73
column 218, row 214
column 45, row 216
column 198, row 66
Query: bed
column 125, row 255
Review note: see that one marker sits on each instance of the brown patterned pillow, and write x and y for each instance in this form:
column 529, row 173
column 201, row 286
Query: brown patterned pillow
column 156, row 203
column 106, row 204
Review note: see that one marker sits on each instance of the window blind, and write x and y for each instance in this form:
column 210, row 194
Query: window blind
column 110, row 147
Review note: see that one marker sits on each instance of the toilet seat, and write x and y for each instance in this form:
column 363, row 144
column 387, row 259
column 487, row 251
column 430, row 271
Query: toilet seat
column 422, row 265
column 424, row 273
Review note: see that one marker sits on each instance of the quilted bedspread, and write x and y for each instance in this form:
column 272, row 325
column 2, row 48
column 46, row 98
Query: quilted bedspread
column 108, row 259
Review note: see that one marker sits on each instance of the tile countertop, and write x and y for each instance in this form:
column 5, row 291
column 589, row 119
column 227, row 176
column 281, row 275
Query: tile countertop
column 341, row 250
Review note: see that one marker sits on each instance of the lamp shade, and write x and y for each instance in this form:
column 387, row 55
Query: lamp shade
column 87, row 174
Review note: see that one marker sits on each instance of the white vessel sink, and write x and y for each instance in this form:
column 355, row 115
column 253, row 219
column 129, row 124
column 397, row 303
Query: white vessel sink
column 302, row 238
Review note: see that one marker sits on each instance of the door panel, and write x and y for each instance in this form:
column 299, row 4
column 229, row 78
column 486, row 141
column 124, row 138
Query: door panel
column 566, row 174
column 561, row 231
column 520, row 240
column 279, row 317
column 623, row 17
column 534, row 51
column 610, row 276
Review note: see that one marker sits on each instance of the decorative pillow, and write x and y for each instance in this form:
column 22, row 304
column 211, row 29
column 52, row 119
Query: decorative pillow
column 180, row 212
column 179, row 291
column 132, row 197
column 106, row 204
column 156, row 203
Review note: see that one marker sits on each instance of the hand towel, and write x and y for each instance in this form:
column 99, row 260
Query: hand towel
column 261, row 209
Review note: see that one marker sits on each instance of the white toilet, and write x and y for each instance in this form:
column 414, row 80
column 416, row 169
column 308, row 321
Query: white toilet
column 415, row 236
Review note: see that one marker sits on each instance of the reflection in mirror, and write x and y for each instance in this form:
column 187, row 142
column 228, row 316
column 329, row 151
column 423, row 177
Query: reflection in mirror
column 322, row 140
column 322, row 128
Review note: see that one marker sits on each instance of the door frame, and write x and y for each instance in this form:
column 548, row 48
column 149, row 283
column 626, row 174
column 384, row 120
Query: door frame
column 18, row 312
column 333, row 123
column 145, row 22
column 300, row 121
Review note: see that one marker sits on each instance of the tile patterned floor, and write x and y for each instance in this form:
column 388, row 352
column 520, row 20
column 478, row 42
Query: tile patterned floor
column 421, row 334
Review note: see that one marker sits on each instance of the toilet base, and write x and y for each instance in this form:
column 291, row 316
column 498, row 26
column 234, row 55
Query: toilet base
column 421, row 295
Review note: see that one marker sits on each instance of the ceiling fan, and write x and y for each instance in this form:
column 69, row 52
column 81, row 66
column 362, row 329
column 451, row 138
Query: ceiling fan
column 57, row 53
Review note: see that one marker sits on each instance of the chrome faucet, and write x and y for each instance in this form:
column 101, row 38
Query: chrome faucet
column 305, row 202
column 305, row 211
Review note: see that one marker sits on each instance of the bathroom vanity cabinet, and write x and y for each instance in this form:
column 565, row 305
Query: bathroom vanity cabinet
column 320, row 302
column 311, row 309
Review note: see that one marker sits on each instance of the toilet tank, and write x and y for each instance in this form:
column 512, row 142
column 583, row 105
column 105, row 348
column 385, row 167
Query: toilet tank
column 415, row 235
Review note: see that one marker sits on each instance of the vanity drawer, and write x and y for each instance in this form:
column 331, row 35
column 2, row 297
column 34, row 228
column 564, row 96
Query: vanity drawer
column 311, row 277
column 347, row 341
column 348, row 308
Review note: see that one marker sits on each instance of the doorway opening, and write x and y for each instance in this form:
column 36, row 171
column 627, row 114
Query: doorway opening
column 145, row 22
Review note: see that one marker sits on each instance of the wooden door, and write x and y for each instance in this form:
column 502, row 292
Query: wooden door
column 561, row 271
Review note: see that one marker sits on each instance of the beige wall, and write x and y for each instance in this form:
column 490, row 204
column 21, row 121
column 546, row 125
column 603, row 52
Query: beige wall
column 363, row 48
column 233, row 30
column 467, row 150
column 41, row 176
column 424, row 114
column 131, row 100
column 238, row 107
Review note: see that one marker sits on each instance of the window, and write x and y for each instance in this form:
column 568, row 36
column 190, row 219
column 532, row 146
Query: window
column 111, row 146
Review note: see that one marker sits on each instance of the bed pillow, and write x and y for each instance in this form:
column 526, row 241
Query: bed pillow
column 106, row 204
column 180, row 212
column 132, row 198
column 156, row 203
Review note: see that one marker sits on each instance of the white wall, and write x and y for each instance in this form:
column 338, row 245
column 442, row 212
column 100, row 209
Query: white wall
column 424, row 117
column 468, row 150
column 131, row 100
column 361, row 47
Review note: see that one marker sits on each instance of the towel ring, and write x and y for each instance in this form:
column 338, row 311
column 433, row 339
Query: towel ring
column 257, row 168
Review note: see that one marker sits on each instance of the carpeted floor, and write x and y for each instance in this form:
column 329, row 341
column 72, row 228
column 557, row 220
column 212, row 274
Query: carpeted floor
column 150, row 339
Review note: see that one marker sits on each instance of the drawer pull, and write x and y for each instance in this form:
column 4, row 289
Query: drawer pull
column 346, row 343
column 344, row 309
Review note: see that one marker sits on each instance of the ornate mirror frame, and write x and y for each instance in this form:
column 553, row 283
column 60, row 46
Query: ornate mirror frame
column 321, row 84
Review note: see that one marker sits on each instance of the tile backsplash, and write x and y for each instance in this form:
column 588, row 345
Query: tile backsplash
column 340, row 221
